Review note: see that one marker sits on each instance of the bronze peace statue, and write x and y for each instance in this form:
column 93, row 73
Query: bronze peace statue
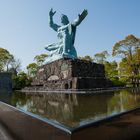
column 66, row 37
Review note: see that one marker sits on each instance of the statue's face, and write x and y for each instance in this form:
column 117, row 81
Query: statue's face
column 64, row 20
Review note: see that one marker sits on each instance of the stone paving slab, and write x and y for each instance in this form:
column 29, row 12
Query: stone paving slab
column 4, row 135
column 124, row 127
column 24, row 127
column 20, row 126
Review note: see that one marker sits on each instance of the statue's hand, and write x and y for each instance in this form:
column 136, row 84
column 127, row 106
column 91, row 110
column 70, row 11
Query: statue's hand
column 83, row 14
column 51, row 13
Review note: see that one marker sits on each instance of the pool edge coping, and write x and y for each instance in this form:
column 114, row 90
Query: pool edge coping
column 67, row 129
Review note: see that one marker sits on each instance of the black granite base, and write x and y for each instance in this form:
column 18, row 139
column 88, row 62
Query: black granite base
column 71, row 74
column 5, row 81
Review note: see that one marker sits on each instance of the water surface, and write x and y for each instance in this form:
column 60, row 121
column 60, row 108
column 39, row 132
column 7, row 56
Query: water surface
column 74, row 110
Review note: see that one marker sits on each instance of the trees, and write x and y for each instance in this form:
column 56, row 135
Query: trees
column 111, row 69
column 5, row 59
column 21, row 80
column 8, row 62
column 101, row 57
column 40, row 59
column 129, row 50
column 126, row 47
column 87, row 58
column 136, row 61
column 32, row 69
column 112, row 73
column 15, row 66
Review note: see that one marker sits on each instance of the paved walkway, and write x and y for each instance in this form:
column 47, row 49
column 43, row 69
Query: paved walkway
column 4, row 135
column 25, row 127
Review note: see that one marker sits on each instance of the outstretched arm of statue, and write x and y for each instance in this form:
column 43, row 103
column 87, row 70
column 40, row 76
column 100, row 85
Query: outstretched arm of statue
column 51, row 23
column 80, row 18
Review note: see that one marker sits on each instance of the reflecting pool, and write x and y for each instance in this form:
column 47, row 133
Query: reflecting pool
column 74, row 110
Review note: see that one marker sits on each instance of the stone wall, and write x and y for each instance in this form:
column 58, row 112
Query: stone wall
column 5, row 82
column 71, row 74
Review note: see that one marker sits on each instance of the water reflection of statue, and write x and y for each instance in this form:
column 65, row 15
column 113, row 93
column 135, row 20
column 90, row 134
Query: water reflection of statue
column 66, row 37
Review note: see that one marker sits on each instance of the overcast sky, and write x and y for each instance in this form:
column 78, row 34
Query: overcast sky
column 24, row 29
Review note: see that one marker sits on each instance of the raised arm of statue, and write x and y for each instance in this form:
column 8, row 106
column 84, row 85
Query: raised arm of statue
column 51, row 23
column 80, row 18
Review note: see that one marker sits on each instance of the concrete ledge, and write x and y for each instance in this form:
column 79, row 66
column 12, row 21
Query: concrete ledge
column 69, row 91
column 4, row 134
column 24, row 127
column 21, row 126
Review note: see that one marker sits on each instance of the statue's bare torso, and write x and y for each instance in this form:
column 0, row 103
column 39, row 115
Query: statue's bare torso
column 66, row 36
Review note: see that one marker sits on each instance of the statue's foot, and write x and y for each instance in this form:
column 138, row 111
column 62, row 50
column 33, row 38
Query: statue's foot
column 66, row 55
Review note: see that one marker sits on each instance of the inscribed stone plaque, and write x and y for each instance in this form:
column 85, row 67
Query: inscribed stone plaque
column 65, row 74
column 64, row 67
column 53, row 77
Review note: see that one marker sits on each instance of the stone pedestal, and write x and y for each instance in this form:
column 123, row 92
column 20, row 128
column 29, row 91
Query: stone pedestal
column 71, row 74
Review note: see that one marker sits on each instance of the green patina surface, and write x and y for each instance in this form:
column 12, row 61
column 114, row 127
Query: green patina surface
column 66, row 37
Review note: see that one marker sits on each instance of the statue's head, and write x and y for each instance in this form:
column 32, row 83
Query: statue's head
column 64, row 19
